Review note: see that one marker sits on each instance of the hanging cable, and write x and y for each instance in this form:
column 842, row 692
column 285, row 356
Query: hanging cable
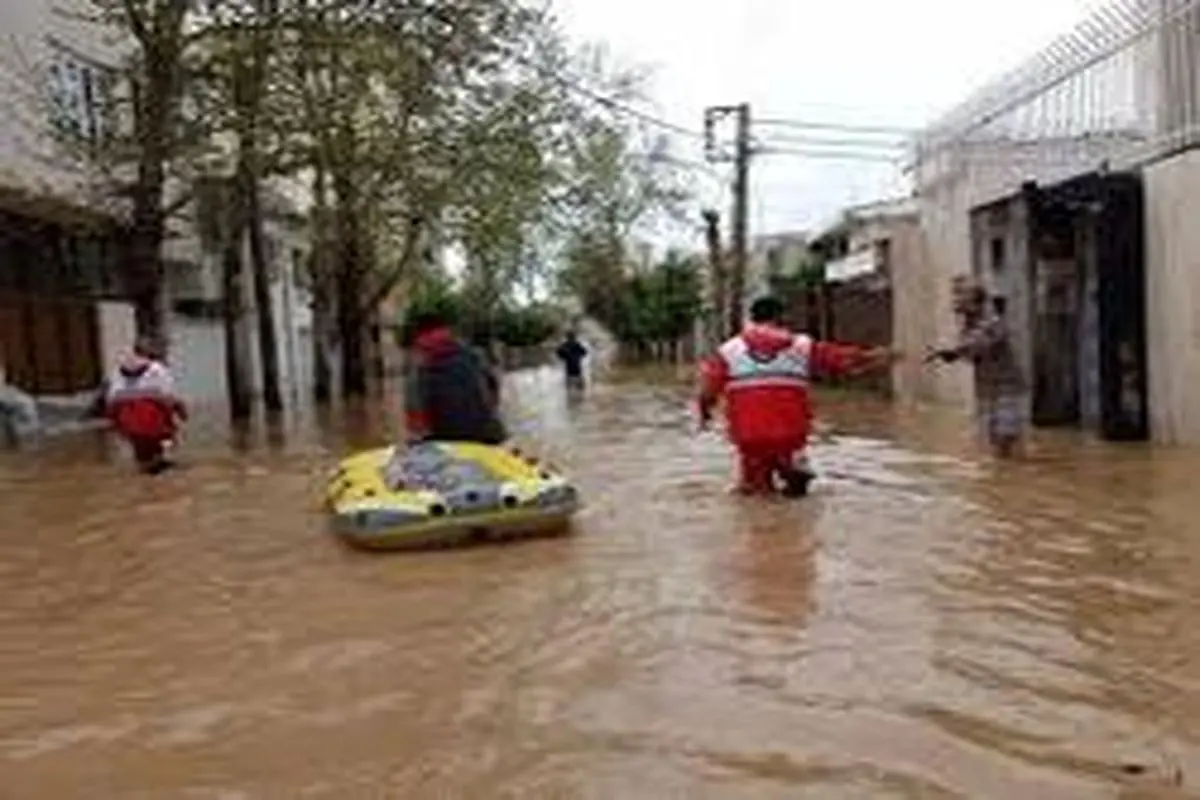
column 836, row 155
column 835, row 126
column 823, row 141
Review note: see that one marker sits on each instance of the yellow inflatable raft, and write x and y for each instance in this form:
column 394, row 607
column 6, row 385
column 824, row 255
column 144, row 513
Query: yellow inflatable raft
column 444, row 493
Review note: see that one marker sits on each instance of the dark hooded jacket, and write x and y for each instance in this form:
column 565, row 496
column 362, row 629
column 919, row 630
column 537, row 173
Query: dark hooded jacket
column 451, row 394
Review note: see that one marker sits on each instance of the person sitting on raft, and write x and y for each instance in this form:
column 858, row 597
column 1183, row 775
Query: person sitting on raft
column 762, row 375
column 142, row 404
column 450, row 392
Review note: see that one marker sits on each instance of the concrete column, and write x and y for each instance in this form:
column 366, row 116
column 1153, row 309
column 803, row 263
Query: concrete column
column 1172, row 189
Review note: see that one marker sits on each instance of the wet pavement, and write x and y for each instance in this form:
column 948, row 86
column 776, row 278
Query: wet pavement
column 926, row 624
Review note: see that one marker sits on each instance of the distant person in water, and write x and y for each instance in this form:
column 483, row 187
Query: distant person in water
column 572, row 354
column 451, row 392
column 763, row 375
column 141, row 402
column 985, row 341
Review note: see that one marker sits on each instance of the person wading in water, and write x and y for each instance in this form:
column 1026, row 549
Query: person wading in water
column 763, row 375
column 985, row 341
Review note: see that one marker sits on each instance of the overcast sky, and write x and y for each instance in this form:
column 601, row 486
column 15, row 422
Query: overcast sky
column 862, row 62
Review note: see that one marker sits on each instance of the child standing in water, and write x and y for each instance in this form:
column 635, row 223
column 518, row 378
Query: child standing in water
column 999, row 384
column 140, row 400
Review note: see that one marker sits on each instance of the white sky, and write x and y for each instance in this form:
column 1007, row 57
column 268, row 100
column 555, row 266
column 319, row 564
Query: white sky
column 867, row 62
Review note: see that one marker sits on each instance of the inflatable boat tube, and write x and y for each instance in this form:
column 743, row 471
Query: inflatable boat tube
column 445, row 493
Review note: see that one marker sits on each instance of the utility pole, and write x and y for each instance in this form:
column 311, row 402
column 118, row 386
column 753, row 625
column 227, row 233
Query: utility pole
column 735, row 296
column 715, row 332
column 741, row 203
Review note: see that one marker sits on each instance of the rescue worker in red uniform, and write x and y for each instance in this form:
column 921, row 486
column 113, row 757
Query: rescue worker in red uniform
column 143, row 407
column 762, row 375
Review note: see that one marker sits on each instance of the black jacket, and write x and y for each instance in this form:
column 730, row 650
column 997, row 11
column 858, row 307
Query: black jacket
column 452, row 395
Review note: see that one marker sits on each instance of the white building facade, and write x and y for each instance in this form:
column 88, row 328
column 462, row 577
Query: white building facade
column 1120, row 93
column 64, row 317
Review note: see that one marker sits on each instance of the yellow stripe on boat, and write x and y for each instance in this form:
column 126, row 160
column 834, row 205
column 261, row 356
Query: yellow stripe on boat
column 441, row 493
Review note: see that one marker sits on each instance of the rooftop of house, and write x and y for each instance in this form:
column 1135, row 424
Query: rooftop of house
column 849, row 218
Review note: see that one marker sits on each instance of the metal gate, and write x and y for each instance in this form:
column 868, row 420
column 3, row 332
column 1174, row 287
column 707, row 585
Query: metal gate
column 1122, row 294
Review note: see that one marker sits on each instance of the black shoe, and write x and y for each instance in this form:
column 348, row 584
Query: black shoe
column 159, row 467
column 795, row 482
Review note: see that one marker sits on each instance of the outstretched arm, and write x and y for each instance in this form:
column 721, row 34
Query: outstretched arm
column 839, row 360
column 975, row 341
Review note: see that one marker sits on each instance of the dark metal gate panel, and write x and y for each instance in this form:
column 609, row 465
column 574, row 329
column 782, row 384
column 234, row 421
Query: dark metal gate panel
column 1056, row 289
column 1089, row 328
column 1122, row 295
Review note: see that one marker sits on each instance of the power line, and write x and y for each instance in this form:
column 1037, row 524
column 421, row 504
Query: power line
column 574, row 84
column 835, row 126
column 699, row 166
column 835, row 155
column 836, row 142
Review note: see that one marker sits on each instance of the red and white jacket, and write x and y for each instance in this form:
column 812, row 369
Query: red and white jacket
column 763, row 377
column 141, row 399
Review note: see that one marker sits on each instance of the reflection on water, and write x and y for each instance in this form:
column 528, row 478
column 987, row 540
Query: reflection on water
column 925, row 625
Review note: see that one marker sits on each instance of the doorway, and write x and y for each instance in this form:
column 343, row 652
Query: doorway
column 1089, row 320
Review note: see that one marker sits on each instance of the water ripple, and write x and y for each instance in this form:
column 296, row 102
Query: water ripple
column 927, row 624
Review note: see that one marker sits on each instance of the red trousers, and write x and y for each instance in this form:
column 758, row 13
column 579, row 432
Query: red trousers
column 148, row 451
column 760, row 462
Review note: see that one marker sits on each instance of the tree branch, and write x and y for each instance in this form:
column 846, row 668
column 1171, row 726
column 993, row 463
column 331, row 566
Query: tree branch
column 136, row 23
column 178, row 204
column 393, row 276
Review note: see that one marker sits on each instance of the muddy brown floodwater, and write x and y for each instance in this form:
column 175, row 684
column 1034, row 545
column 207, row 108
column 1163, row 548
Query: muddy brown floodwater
column 926, row 624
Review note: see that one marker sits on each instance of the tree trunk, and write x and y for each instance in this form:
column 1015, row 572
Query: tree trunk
column 145, row 268
column 146, row 273
column 350, row 326
column 320, row 272
column 236, row 383
column 249, row 88
column 322, row 371
column 351, row 319
column 152, row 123
column 268, row 345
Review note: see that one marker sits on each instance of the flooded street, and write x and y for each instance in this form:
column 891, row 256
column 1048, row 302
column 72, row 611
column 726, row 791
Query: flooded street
column 926, row 624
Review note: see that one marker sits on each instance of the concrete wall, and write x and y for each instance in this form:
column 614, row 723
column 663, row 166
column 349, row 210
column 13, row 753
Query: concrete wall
column 198, row 345
column 914, row 326
column 117, row 331
column 959, row 177
column 1173, row 298
column 1008, row 221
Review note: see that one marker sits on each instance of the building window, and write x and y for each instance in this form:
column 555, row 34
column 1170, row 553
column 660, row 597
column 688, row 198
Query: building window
column 89, row 264
column 301, row 269
column 271, row 250
column 998, row 255
column 212, row 195
column 82, row 98
column 774, row 261
column 883, row 256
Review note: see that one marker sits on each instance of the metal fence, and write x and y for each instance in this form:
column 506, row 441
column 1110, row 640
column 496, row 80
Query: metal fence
column 1122, row 87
